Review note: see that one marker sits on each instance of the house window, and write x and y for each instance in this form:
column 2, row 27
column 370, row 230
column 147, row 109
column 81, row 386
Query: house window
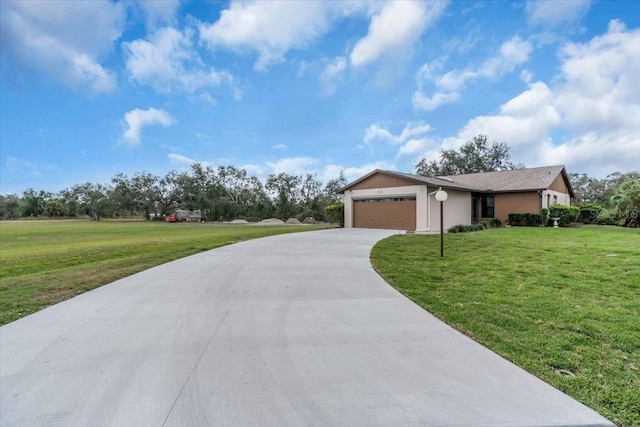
column 488, row 203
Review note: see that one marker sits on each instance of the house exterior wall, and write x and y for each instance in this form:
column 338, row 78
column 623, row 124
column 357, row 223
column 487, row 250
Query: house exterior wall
column 380, row 180
column 506, row 203
column 559, row 185
column 557, row 193
column 457, row 210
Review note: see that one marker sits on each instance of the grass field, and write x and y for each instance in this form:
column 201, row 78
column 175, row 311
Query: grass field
column 45, row 262
column 564, row 304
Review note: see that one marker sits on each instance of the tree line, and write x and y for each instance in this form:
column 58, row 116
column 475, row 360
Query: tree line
column 220, row 193
column 227, row 192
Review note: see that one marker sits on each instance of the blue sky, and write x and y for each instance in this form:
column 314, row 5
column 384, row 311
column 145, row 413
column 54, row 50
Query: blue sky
column 90, row 89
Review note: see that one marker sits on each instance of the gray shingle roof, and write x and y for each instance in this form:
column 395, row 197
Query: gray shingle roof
column 511, row 180
column 531, row 179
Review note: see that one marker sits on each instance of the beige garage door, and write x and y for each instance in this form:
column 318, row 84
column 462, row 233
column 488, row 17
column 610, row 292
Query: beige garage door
column 395, row 214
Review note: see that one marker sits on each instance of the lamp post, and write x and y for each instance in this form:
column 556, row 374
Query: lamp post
column 441, row 196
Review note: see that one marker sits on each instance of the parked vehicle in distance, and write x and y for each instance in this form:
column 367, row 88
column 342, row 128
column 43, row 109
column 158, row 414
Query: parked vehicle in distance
column 182, row 215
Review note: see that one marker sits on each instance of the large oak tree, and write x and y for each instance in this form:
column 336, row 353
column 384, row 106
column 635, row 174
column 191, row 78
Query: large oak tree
column 477, row 155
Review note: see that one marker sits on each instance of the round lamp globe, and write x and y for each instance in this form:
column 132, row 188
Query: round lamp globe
column 441, row 195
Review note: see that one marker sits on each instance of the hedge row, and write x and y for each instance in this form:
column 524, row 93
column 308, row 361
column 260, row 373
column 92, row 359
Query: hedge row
column 525, row 219
column 464, row 228
column 565, row 215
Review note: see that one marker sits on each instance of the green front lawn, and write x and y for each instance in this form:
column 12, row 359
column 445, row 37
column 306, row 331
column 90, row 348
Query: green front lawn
column 564, row 304
column 45, row 262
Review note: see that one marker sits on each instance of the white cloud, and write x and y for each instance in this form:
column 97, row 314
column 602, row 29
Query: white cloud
column 524, row 122
column 351, row 173
column 398, row 25
column 594, row 105
column 268, row 28
column 414, row 146
column 293, row 165
column 279, row 147
column 423, row 102
column 513, row 53
column 168, row 62
column 254, row 170
column 181, row 160
column 43, row 36
column 375, row 132
column 157, row 13
column 332, row 73
column 18, row 166
column 137, row 119
column 552, row 13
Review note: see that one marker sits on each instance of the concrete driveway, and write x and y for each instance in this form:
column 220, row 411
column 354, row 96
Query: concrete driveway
column 287, row 330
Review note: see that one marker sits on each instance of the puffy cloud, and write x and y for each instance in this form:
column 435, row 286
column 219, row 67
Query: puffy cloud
column 332, row 73
column 293, row 165
column 513, row 53
column 593, row 110
column 137, row 119
column 412, row 139
column 375, row 132
column 414, row 146
column 157, row 13
column 523, row 122
column 551, row 13
column 351, row 173
column 168, row 62
column 423, row 102
column 43, row 36
column 398, row 25
column 268, row 28
column 254, row 170
column 599, row 87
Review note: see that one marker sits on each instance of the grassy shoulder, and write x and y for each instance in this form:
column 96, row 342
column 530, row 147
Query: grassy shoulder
column 564, row 304
column 45, row 262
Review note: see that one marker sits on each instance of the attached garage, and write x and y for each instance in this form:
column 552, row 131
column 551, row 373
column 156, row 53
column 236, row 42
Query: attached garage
column 397, row 213
column 400, row 201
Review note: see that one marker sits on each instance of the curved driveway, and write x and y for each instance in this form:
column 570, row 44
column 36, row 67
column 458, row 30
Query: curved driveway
column 294, row 330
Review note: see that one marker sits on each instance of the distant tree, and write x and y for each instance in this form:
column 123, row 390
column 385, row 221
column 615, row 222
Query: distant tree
column 598, row 191
column 123, row 195
column 9, row 206
column 627, row 200
column 33, row 202
column 146, row 192
column 237, row 187
column 284, row 190
column 259, row 205
column 54, row 208
column 170, row 192
column 311, row 197
column 93, row 198
column 70, row 203
column 474, row 156
column 331, row 189
column 201, row 189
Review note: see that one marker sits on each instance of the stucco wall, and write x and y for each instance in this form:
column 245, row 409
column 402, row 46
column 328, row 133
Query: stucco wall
column 507, row 203
column 457, row 210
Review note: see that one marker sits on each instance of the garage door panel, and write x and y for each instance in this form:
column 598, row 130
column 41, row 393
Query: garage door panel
column 395, row 214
